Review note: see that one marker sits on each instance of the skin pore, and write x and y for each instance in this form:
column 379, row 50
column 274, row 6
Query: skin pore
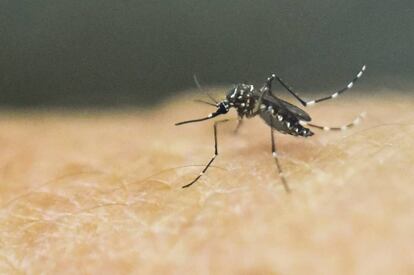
column 101, row 193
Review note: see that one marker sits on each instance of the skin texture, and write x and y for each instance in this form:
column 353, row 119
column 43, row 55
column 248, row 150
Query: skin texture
column 100, row 193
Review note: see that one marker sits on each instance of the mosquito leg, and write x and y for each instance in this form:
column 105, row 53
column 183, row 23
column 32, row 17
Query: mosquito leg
column 213, row 158
column 239, row 124
column 279, row 168
column 334, row 95
column 345, row 127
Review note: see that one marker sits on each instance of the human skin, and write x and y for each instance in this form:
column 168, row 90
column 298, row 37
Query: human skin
column 100, row 193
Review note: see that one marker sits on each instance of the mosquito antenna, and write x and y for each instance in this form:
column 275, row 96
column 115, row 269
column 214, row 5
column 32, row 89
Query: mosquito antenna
column 196, row 82
column 201, row 88
column 205, row 102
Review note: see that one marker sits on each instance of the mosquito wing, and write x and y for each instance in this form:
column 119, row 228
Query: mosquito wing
column 278, row 103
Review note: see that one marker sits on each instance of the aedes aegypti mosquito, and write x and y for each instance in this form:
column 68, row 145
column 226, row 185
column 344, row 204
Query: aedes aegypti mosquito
column 277, row 113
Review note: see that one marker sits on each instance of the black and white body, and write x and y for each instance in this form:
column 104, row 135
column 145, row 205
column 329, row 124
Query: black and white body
column 277, row 113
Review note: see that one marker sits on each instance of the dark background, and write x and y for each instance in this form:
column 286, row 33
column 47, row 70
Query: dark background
column 114, row 53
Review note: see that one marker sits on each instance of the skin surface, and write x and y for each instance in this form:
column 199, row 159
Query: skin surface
column 100, row 193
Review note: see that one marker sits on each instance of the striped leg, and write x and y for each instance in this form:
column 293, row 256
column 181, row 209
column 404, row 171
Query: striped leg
column 334, row 95
column 356, row 121
column 279, row 168
column 213, row 158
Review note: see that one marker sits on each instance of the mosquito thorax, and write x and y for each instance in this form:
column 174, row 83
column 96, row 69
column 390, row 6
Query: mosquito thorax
column 242, row 98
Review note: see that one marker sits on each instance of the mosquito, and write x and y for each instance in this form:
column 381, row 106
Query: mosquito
column 278, row 114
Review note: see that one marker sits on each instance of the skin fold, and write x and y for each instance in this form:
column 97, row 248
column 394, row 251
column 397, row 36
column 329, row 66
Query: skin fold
column 100, row 192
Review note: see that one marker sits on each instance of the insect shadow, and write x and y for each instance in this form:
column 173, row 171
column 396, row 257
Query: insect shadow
column 278, row 114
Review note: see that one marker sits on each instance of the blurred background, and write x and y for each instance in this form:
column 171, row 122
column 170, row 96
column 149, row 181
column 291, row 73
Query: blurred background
column 101, row 53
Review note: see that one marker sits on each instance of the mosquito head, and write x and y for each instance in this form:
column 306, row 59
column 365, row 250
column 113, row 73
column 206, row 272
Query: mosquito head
column 223, row 107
